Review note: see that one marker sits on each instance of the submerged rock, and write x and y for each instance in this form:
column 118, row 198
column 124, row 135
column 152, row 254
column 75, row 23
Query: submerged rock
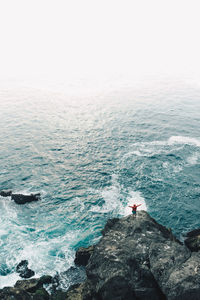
column 22, row 199
column 5, row 193
column 193, row 240
column 137, row 258
column 23, row 270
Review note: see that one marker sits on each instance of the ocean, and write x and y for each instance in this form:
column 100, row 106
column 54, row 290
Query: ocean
column 90, row 156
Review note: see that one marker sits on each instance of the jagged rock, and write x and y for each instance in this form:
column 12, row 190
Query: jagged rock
column 5, row 193
column 41, row 294
column 64, row 280
column 137, row 258
column 193, row 233
column 83, row 255
column 183, row 282
column 31, row 289
column 30, row 285
column 10, row 293
column 59, row 295
column 22, row 199
column 23, row 270
column 74, row 292
column 193, row 240
column 45, row 279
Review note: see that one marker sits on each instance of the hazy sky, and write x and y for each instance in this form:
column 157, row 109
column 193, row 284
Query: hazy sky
column 97, row 38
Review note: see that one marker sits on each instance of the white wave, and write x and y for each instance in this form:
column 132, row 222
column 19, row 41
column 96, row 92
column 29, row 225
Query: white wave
column 9, row 280
column 45, row 254
column 193, row 159
column 156, row 147
column 46, row 257
column 173, row 145
column 183, row 140
column 116, row 200
column 165, row 165
column 111, row 196
column 177, row 169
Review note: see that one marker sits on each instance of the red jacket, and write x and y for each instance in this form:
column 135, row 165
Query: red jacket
column 134, row 207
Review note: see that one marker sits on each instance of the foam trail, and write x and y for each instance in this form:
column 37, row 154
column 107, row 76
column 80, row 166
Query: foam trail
column 111, row 196
column 9, row 280
column 193, row 160
column 183, row 140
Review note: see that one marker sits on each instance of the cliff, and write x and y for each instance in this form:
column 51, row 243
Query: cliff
column 136, row 258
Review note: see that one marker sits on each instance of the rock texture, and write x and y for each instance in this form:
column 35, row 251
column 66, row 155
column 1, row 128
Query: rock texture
column 23, row 270
column 83, row 255
column 22, row 199
column 193, row 240
column 5, row 193
column 63, row 280
column 31, row 289
column 137, row 258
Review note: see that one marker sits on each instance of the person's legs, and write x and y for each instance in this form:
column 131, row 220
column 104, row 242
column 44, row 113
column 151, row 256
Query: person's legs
column 134, row 213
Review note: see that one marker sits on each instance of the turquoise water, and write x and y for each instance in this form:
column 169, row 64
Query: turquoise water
column 90, row 157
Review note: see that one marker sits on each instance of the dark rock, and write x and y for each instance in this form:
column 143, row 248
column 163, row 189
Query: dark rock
column 59, row 295
column 183, row 282
column 10, row 293
column 110, row 223
column 193, row 240
column 23, row 264
column 63, row 280
column 83, row 255
column 23, row 270
column 27, row 289
column 193, row 233
column 40, row 294
column 137, row 258
column 45, row 279
column 31, row 285
column 22, row 199
column 5, row 193
column 74, row 293
column 28, row 273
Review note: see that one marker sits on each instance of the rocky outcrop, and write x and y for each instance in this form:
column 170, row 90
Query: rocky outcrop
column 20, row 198
column 63, row 280
column 23, row 270
column 5, row 193
column 83, row 255
column 10, row 293
column 137, row 258
column 73, row 293
column 193, row 240
column 27, row 289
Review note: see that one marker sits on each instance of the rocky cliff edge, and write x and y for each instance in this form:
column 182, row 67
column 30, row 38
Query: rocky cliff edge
column 137, row 258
